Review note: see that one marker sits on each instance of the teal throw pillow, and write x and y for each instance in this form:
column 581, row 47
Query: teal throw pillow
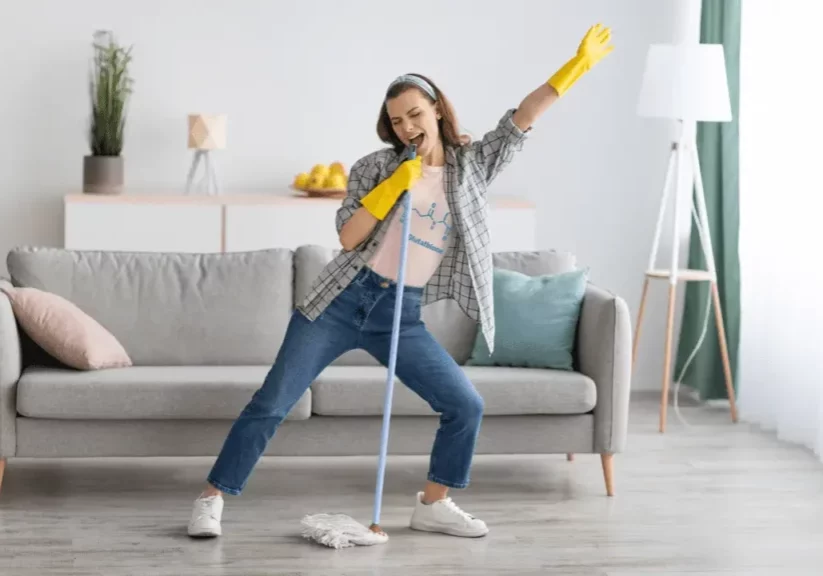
column 535, row 320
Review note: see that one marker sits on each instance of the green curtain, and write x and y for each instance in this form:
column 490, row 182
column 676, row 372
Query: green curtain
column 717, row 145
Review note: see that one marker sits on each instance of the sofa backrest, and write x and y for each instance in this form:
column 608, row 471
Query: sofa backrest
column 173, row 309
column 229, row 309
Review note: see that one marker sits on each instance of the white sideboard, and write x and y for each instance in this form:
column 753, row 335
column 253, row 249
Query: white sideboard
column 240, row 222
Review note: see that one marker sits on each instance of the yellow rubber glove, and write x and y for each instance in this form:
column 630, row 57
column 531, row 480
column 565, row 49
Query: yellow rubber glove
column 380, row 200
column 593, row 48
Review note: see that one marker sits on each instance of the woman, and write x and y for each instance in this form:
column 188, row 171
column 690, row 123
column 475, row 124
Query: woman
column 351, row 303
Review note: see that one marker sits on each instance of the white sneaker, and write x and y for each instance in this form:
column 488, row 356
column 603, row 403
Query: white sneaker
column 446, row 517
column 205, row 516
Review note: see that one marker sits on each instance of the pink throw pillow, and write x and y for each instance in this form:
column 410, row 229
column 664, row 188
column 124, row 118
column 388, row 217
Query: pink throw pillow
column 64, row 331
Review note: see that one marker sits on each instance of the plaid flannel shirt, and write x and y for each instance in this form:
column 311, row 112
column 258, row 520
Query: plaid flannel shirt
column 465, row 273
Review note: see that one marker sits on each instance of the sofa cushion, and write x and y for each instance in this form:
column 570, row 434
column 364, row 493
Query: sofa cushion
column 64, row 331
column 173, row 309
column 144, row 392
column 360, row 390
column 536, row 320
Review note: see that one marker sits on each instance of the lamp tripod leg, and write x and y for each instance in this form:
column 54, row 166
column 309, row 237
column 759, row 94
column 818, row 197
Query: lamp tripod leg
column 192, row 171
column 673, row 279
column 213, row 178
column 664, row 201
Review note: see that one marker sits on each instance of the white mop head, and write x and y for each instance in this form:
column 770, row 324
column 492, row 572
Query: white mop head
column 340, row 531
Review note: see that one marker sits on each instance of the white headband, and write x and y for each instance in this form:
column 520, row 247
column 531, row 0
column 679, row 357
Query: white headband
column 417, row 81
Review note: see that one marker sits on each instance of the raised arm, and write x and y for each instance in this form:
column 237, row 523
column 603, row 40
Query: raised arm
column 593, row 48
column 496, row 149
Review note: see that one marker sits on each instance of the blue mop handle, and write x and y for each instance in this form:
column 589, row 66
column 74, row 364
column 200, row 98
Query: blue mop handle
column 395, row 336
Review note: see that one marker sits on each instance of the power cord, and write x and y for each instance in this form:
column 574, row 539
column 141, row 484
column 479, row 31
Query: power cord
column 697, row 346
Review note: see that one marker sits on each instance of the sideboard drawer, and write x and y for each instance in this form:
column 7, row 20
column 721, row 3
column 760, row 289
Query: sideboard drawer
column 143, row 227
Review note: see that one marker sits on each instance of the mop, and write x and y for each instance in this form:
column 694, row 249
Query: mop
column 339, row 530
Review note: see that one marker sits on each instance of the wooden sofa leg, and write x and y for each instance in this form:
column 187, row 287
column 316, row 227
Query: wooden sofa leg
column 2, row 470
column 570, row 457
column 608, row 472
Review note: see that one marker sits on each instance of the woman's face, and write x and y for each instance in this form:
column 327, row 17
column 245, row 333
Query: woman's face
column 414, row 119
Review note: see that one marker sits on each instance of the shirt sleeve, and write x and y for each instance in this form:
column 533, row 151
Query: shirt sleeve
column 496, row 149
column 362, row 179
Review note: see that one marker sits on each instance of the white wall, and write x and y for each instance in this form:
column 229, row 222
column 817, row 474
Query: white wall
column 301, row 83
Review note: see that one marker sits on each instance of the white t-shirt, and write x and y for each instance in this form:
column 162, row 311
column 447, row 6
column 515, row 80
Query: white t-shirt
column 430, row 232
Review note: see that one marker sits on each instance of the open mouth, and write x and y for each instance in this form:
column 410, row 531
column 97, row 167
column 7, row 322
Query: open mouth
column 418, row 140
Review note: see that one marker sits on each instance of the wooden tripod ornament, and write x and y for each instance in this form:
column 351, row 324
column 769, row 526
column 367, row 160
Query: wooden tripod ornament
column 684, row 150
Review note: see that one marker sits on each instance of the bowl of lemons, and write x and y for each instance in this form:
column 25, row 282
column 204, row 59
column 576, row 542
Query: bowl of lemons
column 328, row 181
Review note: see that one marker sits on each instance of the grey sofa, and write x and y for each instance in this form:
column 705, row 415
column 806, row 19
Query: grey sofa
column 203, row 329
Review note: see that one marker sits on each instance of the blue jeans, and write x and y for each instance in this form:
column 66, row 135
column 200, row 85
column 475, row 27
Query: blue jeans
column 359, row 317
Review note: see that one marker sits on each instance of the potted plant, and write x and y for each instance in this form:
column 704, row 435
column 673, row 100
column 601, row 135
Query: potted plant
column 109, row 89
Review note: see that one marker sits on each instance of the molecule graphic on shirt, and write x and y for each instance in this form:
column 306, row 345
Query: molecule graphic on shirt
column 445, row 220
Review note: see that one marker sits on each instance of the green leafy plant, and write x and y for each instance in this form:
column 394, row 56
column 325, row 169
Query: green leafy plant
column 109, row 88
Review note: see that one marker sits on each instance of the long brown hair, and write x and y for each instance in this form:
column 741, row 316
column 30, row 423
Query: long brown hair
column 447, row 124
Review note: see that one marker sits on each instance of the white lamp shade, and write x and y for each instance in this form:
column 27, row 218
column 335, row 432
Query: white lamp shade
column 685, row 82
column 207, row 131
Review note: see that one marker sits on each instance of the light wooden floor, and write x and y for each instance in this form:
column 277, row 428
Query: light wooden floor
column 713, row 499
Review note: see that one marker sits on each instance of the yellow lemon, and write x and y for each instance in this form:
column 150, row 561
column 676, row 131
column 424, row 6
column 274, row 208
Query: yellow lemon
column 335, row 181
column 320, row 170
column 316, row 181
column 337, row 168
column 301, row 180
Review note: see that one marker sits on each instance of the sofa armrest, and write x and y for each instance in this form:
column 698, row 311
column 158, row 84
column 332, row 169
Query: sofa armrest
column 603, row 351
column 10, row 367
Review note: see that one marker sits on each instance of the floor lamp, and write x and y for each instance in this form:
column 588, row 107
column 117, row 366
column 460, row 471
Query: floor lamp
column 685, row 83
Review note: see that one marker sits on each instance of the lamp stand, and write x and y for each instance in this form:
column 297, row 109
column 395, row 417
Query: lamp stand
column 684, row 150
column 210, row 185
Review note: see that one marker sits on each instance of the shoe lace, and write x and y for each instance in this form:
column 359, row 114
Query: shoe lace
column 205, row 508
column 449, row 503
